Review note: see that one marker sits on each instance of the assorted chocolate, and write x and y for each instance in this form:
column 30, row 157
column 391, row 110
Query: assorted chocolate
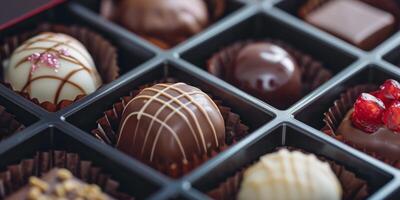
column 289, row 175
column 365, row 24
column 270, row 70
column 59, row 184
column 382, row 141
column 57, row 174
column 52, row 67
column 169, row 123
column 175, row 127
column 292, row 173
column 372, row 124
column 179, row 128
column 164, row 22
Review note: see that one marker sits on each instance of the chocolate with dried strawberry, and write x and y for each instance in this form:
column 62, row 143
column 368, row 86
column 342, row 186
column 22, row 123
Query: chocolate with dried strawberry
column 373, row 124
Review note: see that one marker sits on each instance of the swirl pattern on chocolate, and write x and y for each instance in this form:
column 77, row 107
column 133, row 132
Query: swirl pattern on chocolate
column 76, row 74
column 170, row 123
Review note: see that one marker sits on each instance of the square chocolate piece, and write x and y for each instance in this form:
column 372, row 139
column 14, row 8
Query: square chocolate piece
column 359, row 23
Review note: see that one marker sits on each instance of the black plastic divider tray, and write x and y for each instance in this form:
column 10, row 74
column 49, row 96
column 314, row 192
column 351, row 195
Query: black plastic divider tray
column 142, row 62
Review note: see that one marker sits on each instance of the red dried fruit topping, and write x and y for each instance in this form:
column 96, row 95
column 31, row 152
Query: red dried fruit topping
column 391, row 117
column 367, row 114
column 390, row 90
column 378, row 94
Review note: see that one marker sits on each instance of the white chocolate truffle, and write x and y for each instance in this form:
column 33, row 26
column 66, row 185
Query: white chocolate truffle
column 52, row 67
column 290, row 175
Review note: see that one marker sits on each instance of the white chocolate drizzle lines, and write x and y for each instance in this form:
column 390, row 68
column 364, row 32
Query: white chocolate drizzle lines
column 177, row 107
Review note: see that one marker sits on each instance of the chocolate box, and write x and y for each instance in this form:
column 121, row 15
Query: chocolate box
column 142, row 62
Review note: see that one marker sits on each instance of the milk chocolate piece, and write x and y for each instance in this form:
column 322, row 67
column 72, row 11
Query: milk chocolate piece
column 359, row 23
column 163, row 21
column 170, row 123
column 58, row 184
column 266, row 70
column 384, row 142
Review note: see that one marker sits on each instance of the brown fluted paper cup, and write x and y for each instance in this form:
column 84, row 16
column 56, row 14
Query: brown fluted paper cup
column 102, row 51
column 353, row 187
column 313, row 73
column 107, row 129
column 334, row 116
column 16, row 176
column 112, row 9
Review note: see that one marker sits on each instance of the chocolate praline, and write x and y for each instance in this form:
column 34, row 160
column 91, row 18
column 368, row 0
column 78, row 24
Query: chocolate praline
column 170, row 123
column 359, row 23
column 269, row 72
column 52, row 67
column 384, row 142
column 58, row 184
column 164, row 22
column 289, row 175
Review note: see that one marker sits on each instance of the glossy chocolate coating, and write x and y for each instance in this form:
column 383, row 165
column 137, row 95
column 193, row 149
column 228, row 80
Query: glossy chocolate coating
column 359, row 23
column 169, row 21
column 384, row 142
column 268, row 71
column 169, row 123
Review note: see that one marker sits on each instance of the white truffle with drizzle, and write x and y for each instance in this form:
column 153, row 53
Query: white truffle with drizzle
column 288, row 175
column 52, row 67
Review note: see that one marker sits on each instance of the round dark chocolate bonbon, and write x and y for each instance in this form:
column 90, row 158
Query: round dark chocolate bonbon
column 163, row 21
column 268, row 71
column 169, row 123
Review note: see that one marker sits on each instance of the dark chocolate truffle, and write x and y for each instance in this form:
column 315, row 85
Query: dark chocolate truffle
column 359, row 23
column 268, row 71
column 163, row 21
column 170, row 123
column 383, row 141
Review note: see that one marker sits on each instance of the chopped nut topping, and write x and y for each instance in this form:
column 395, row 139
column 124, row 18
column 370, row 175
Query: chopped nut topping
column 64, row 174
column 61, row 185
column 34, row 193
column 60, row 191
column 69, row 186
column 94, row 188
column 38, row 183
